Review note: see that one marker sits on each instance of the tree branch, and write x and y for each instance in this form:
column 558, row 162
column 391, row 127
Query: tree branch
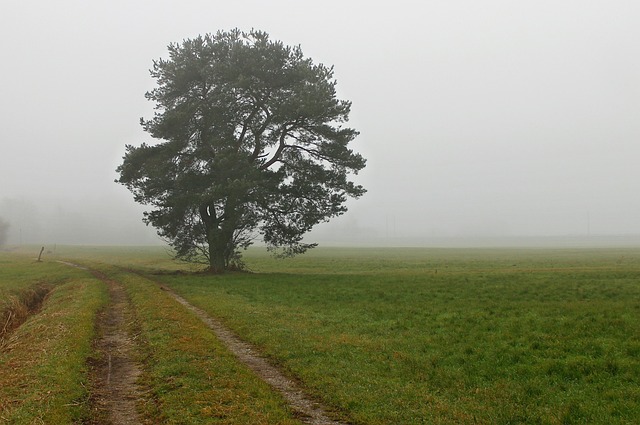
column 245, row 125
column 311, row 152
column 278, row 152
column 207, row 214
column 258, row 136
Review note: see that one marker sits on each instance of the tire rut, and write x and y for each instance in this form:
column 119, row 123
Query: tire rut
column 115, row 394
column 307, row 410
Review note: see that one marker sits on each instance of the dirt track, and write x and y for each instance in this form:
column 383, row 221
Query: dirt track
column 115, row 393
column 114, row 373
column 307, row 410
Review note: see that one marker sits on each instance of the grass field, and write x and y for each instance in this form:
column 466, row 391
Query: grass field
column 193, row 378
column 395, row 336
column 43, row 363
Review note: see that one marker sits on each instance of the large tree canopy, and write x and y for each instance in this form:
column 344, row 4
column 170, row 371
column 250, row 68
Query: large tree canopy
column 250, row 142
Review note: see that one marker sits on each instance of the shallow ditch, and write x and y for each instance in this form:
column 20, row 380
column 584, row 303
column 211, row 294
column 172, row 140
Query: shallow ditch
column 16, row 309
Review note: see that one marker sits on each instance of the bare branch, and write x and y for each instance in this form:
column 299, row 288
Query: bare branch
column 278, row 152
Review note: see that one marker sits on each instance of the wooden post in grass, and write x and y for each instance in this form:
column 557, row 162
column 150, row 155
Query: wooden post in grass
column 40, row 255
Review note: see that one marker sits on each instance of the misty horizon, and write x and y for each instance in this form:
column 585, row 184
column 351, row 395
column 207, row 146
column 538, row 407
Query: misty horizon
column 50, row 226
column 493, row 121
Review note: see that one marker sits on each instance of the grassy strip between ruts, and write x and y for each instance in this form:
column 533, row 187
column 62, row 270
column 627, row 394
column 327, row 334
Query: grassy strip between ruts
column 551, row 343
column 193, row 379
column 43, row 363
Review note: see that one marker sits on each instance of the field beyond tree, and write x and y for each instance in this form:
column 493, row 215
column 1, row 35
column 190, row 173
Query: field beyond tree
column 387, row 336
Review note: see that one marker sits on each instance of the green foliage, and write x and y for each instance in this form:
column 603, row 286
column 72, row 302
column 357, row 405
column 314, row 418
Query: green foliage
column 251, row 141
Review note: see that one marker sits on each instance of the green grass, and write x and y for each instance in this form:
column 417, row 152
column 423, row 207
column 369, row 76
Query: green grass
column 188, row 376
column 384, row 336
column 191, row 377
column 446, row 336
column 20, row 276
column 43, row 362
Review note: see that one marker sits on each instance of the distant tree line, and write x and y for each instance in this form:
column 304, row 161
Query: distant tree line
column 4, row 231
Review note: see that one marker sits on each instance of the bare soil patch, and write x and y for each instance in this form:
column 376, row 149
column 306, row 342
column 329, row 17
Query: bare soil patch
column 306, row 409
column 114, row 373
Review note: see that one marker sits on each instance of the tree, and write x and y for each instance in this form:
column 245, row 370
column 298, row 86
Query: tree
column 4, row 231
column 251, row 142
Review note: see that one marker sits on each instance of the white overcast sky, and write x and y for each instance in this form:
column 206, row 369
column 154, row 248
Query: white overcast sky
column 478, row 117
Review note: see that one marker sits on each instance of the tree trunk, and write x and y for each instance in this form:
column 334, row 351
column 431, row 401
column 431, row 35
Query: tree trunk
column 220, row 233
column 218, row 250
column 217, row 263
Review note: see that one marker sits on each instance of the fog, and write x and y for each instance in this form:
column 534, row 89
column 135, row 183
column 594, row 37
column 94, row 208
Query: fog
column 481, row 120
